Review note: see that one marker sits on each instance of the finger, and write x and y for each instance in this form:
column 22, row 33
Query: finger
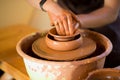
column 52, row 24
column 65, row 24
column 74, row 17
column 62, row 30
column 77, row 26
column 70, row 24
column 57, row 28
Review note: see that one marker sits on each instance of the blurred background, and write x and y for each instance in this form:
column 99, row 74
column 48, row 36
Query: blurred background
column 17, row 19
column 15, row 12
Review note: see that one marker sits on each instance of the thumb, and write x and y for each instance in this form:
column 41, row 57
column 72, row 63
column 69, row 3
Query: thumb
column 52, row 24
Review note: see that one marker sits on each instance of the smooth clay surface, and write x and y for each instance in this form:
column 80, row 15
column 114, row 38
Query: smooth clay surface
column 86, row 48
column 50, row 48
column 63, row 45
column 104, row 74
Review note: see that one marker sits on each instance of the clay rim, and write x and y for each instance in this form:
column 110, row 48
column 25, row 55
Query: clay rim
column 85, row 61
column 54, row 34
column 90, row 74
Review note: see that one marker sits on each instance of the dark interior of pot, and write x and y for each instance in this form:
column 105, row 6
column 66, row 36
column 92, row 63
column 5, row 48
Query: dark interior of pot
column 101, row 43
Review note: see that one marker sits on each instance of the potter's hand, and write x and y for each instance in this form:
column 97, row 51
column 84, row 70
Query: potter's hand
column 65, row 21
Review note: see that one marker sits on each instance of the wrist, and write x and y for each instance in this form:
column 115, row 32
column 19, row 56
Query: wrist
column 47, row 4
column 41, row 3
column 52, row 6
column 79, row 21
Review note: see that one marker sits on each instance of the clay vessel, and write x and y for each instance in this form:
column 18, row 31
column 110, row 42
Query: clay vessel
column 52, row 32
column 63, row 43
column 104, row 74
column 55, row 49
column 86, row 48
column 42, row 69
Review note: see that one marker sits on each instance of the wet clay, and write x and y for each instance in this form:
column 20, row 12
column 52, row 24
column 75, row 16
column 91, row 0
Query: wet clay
column 104, row 74
column 52, row 32
column 77, row 48
column 45, row 69
column 87, row 47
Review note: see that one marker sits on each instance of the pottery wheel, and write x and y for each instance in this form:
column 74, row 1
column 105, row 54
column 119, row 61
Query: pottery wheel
column 40, row 48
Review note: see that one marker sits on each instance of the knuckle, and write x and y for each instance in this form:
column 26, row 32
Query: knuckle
column 63, row 17
column 69, row 15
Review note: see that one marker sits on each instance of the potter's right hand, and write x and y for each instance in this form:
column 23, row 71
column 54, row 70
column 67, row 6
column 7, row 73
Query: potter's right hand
column 62, row 19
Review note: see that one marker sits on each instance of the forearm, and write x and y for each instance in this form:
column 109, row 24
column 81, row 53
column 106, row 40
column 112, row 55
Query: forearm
column 51, row 6
column 98, row 18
